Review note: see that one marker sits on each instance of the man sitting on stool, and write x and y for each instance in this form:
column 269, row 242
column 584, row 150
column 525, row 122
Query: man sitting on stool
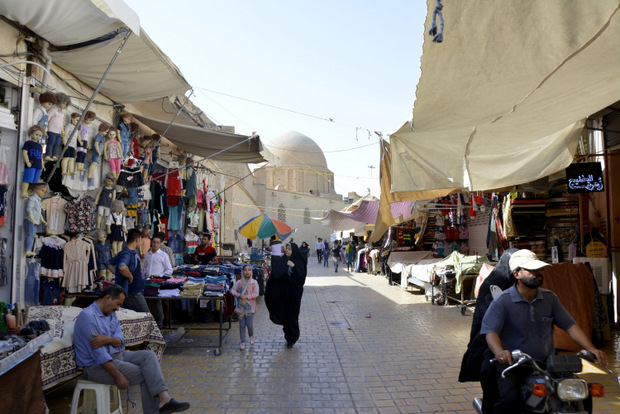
column 98, row 343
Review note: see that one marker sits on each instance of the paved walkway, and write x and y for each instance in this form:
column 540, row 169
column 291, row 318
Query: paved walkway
column 365, row 347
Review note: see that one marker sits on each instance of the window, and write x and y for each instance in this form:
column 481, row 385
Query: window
column 282, row 213
column 307, row 216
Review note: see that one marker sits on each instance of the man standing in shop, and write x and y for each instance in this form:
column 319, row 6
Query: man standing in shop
column 319, row 249
column 205, row 253
column 157, row 264
column 127, row 266
column 99, row 348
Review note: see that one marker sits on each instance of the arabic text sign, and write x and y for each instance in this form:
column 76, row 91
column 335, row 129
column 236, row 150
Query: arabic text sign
column 585, row 177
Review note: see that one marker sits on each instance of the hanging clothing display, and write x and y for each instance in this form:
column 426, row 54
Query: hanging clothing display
column 52, row 257
column 81, row 215
column 130, row 177
column 79, row 263
column 54, row 208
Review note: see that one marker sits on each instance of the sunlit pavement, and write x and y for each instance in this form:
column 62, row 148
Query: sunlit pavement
column 365, row 347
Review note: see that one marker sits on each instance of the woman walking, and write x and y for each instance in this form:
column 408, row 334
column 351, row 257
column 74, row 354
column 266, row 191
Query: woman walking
column 285, row 288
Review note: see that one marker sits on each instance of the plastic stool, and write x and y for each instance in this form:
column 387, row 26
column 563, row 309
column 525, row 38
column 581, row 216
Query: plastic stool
column 102, row 398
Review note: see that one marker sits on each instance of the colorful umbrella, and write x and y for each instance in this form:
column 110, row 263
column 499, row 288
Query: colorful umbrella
column 264, row 227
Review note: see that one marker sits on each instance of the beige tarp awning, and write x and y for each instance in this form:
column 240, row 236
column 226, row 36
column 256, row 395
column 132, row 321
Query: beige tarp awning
column 206, row 142
column 385, row 217
column 142, row 71
column 502, row 101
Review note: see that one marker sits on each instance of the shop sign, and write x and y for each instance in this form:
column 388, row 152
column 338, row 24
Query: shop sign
column 585, row 177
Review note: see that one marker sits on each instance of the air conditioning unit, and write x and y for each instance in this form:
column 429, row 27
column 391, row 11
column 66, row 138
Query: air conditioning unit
column 601, row 269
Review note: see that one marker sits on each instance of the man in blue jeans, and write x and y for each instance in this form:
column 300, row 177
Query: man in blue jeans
column 98, row 342
column 127, row 266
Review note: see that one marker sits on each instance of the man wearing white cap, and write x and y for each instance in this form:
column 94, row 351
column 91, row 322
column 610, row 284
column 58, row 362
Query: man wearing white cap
column 522, row 317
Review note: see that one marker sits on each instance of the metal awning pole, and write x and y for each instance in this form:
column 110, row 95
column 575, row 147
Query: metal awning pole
column 90, row 101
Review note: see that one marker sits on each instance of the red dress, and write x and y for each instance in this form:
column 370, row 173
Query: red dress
column 174, row 185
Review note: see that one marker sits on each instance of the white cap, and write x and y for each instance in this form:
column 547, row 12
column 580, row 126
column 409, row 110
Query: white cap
column 525, row 259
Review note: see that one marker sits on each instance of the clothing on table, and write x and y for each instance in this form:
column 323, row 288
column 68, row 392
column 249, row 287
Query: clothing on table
column 116, row 221
column 79, row 263
column 54, row 208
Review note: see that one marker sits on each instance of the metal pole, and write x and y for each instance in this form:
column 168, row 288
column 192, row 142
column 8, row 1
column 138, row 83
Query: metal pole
column 90, row 101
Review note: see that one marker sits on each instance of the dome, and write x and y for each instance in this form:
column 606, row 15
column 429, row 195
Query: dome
column 294, row 148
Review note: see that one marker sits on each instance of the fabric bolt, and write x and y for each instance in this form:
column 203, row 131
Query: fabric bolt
column 54, row 208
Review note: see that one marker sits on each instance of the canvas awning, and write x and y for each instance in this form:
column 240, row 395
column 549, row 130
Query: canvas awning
column 366, row 213
column 83, row 37
column 206, row 142
column 502, row 101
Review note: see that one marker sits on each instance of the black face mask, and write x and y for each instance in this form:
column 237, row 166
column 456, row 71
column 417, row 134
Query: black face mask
column 532, row 282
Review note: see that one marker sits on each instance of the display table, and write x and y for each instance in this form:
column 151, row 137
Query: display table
column 58, row 357
column 223, row 331
column 20, row 376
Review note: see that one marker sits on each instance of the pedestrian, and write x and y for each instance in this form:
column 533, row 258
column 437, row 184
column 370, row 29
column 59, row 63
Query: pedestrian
column 522, row 317
column 304, row 249
column 99, row 349
column 336, row 255
column 350, row 255
column 284, row 291
column 325, row 254
column 246, row 292
column 127, row 267
column 319, row 246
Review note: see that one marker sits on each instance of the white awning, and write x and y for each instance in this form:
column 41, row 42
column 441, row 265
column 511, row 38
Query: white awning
column 502, row 101
column 84, row 36
column 206, row 142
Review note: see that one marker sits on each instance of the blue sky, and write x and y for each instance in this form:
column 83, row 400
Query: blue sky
column 355, row 62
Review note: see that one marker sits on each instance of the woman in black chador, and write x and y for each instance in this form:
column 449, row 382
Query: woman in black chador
column 284, row 290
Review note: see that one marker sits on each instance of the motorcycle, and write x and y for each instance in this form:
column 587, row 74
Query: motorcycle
column 555, row 389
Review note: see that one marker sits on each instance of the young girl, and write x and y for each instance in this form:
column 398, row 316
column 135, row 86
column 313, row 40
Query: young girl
column 113, row 152
column 246, row 290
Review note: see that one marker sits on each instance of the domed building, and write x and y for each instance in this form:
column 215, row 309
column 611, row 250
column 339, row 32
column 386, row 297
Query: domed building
column 302, row 169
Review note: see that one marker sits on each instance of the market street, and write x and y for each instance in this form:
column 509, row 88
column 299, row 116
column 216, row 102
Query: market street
column 365, row 347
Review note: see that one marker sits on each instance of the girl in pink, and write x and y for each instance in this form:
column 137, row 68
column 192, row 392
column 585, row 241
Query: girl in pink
column 113, row 151
column 246, row 292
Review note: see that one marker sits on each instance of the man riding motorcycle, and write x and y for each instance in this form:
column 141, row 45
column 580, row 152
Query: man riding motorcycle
column 522, row 317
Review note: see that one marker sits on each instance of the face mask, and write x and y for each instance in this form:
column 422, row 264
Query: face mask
column 532, row 282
